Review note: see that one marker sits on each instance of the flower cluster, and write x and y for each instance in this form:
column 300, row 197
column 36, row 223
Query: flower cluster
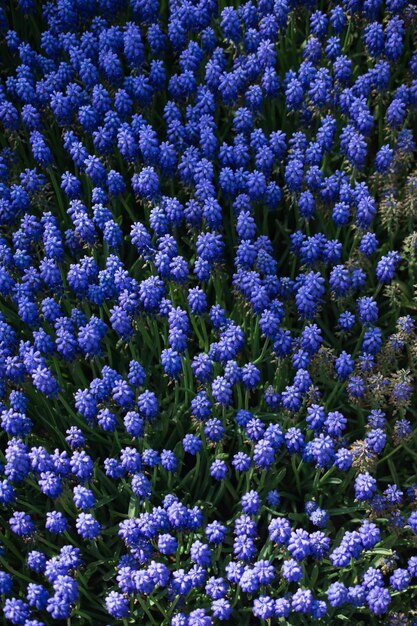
column 207, row 335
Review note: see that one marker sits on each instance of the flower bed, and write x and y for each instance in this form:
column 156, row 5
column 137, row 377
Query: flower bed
column 208, row 343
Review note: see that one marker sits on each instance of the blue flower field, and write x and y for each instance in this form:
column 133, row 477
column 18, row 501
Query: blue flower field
column 208, row 312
